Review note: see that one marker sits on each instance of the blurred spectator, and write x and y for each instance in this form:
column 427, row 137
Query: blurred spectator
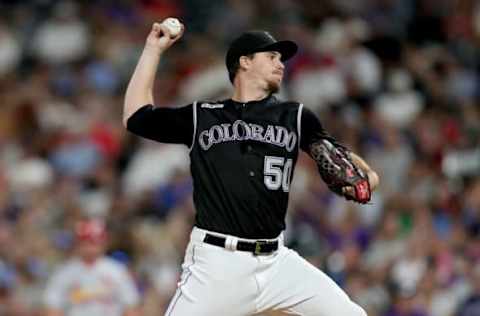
column 399, row 105
column 10, row 50
column 90, row 283
column 62, row 38
column 144, row 172
column 471, row 306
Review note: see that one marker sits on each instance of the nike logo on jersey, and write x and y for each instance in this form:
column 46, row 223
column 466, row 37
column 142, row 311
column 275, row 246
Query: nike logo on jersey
column 241, row 131
column 211, row 106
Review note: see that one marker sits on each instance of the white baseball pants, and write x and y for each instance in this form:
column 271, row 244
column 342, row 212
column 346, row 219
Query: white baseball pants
column 219, row 282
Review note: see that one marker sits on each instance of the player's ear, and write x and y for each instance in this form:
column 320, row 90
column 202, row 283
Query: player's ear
column 245, row 62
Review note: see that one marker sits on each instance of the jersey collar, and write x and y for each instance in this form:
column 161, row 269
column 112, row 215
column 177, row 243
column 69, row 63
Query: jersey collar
column 267, row 100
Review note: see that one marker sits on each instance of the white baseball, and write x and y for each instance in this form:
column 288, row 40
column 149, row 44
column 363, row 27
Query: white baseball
column 173, row 26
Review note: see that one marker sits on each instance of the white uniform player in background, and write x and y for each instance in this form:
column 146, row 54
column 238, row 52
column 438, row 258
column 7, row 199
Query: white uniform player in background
column 91, row 284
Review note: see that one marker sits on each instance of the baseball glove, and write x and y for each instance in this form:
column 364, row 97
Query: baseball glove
column 340, row 173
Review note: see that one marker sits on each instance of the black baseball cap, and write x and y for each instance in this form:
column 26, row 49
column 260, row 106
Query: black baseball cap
column 258, row 41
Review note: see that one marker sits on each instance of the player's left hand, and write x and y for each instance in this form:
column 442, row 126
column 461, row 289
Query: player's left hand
column 340, row 173
column 358, row 194
column 348, row 191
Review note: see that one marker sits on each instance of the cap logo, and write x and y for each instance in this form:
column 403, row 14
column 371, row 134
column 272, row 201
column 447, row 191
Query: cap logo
column 270, row 36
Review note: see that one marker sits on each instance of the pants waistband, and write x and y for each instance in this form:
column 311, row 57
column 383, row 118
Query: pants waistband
column 231, row 241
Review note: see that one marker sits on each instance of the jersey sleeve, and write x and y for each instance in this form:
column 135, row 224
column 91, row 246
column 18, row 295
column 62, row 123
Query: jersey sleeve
column 166, row 125
column 312, row 131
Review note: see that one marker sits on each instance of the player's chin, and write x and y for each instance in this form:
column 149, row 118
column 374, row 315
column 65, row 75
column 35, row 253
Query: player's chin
column 274, row 85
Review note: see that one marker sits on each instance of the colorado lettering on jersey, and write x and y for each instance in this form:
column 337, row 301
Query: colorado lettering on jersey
column 241, row 131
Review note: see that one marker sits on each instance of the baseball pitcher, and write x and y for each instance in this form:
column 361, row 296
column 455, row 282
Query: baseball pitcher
column 243, row 152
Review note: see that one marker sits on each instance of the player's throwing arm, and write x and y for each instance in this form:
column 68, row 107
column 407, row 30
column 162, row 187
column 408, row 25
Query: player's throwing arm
column 140, row 88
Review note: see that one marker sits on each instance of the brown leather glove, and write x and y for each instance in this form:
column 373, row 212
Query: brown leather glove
column 340, row 173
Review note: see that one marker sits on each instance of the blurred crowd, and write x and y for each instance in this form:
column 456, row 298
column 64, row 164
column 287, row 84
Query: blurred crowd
column 396, row 81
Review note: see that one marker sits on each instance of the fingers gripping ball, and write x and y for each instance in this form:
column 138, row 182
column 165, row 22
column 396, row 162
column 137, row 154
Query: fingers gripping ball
column 173, row 26
column 339, row 172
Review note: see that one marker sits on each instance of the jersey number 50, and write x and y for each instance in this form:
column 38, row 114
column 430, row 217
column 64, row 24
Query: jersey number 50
column 277, row 172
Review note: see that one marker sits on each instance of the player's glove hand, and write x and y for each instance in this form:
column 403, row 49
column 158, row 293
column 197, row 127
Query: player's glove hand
column 340, row 173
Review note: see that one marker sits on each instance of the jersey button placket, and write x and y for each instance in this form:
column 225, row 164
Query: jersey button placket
column 251, row 173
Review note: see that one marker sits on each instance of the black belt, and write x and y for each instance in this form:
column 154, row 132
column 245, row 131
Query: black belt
column 259, row 247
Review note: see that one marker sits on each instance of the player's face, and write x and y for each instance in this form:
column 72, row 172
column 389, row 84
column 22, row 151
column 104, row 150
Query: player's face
column 269, row 69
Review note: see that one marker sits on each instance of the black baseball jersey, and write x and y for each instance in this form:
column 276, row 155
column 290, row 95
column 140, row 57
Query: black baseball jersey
column 242, row 158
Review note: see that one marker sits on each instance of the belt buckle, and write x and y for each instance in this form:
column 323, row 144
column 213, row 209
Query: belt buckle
column 258, row 247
